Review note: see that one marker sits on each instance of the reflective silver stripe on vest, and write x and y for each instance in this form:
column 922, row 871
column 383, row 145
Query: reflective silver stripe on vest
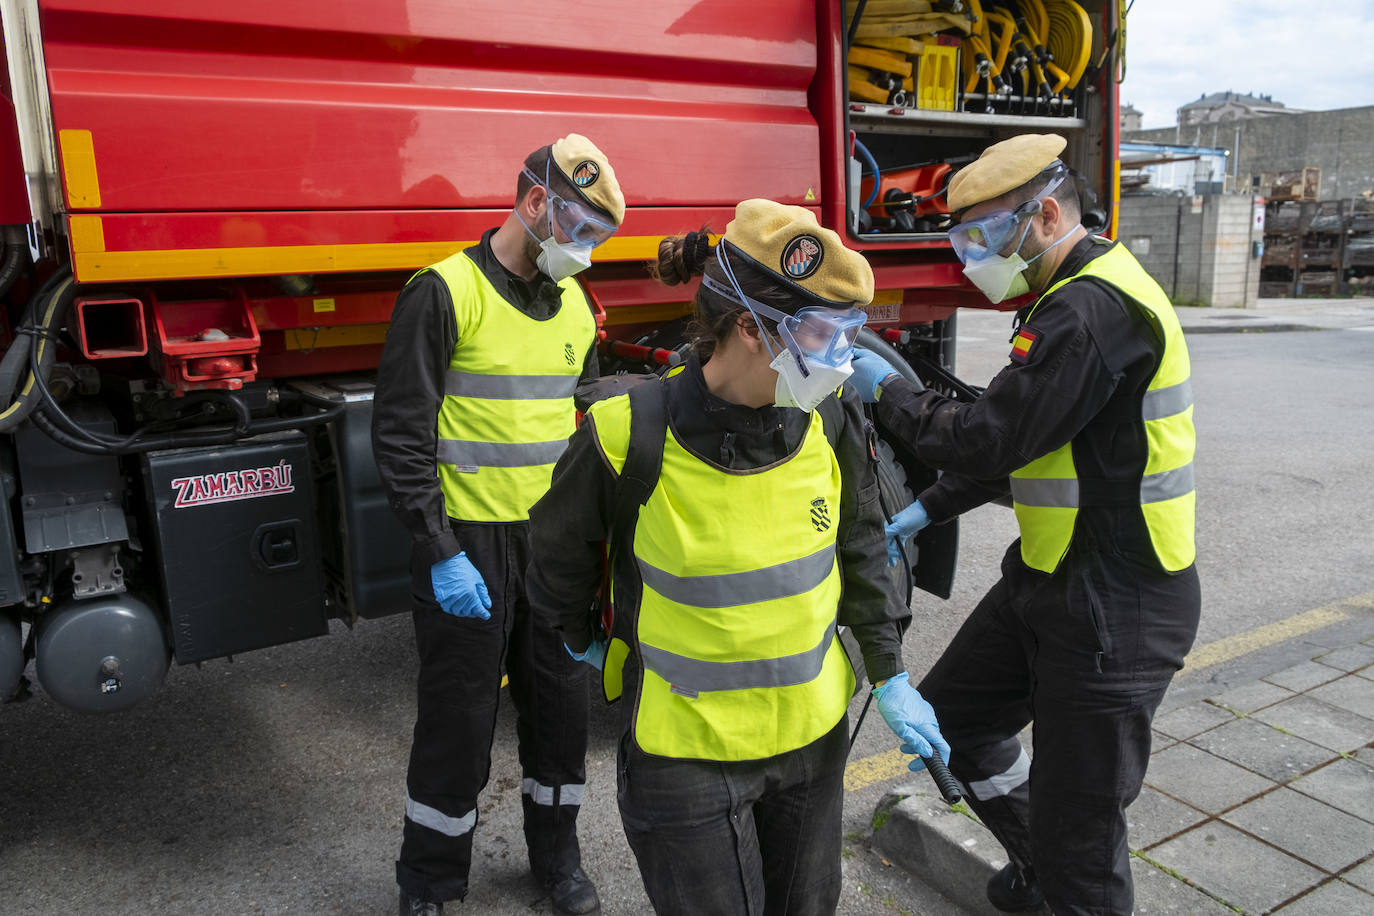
column 795, row 577
column 1005, row 782
column 465, row 453
column 1166, row 402
column 695, row 675
column 1167, row 484
column 541, row 794
column 1047, row 492
column 437, row 820
column 508, row 387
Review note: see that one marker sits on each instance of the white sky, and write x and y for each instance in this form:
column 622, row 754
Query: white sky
column 1309, row 55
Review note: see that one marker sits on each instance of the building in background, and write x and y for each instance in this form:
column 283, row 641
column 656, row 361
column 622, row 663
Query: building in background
column 1159, row 168
column 1131, row 117
column 1229, row 106
column 1340, row 143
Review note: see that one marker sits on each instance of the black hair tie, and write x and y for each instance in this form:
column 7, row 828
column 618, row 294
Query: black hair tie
column 695, row 248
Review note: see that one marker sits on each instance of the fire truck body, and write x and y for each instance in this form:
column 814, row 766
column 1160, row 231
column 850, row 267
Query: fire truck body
column 218, row 204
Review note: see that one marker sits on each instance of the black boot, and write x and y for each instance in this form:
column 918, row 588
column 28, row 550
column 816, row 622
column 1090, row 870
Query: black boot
column 574, row 894
column 1015, row 890
column 410, row 906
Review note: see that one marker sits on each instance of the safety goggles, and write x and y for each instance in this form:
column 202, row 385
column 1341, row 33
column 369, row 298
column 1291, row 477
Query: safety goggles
column 578, row 221
column 981, row 238
column 818, row 334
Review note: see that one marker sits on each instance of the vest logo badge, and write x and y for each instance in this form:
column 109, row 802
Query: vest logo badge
column 820, row 514
column 586, row 173
column 1021, row 345
column 232, row 486
column 802, row 257
column 569, row 353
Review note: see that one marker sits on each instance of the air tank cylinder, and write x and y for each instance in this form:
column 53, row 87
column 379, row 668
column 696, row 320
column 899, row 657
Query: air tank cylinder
column 11, row 654
column 101, row 654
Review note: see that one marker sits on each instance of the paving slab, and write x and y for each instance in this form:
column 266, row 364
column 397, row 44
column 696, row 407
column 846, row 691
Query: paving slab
column 1321, row 723
column 1348, row 658
column 1251, row 697
column 1236, row 868
column 1303, row 677
column 1203, row 780
column 1361, row 876
column 1158, row 893
column 1263, row 749
column 1193, row 719
column 1345, row 784
column 1353, row 693
column 1159, row 742
column 1330, row 899
column 1154, row 816
column 1309, row 829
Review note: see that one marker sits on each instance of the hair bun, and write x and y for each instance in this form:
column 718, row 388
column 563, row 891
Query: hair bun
column 682, row 257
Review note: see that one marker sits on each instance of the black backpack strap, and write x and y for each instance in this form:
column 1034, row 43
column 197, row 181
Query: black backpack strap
column 643, row 454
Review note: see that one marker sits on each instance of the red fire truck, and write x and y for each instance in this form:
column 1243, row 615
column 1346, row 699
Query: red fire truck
column 208, row 210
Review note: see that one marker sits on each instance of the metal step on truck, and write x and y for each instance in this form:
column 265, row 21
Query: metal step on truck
column 208, row 210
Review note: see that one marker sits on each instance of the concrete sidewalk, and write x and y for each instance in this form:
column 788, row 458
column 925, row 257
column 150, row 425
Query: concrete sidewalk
column 1259, row 799
column 1281, row 315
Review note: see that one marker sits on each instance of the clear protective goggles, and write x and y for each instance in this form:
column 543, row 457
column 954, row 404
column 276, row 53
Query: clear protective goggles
column 582, row 224
column 821, row 335
column 981, row 238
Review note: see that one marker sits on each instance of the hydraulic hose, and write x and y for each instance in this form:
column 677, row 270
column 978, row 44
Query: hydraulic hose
column 48, row 308
column 872, row 164
column 16, row 245
column 869, row 339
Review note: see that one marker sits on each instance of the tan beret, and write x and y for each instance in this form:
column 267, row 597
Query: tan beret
column 789, row 242
column 1003, row 167
column 590, row 172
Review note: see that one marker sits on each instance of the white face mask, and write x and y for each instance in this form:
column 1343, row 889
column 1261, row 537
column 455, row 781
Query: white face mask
column 560, row 261
column 805, row 391
column 1002, row 277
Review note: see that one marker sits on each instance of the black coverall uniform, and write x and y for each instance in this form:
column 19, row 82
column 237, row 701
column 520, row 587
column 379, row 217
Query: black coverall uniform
column 1087, row 651
column 461, row 658
column 704, row 831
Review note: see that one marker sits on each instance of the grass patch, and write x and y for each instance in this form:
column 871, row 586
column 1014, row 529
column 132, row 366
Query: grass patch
column 879, row 819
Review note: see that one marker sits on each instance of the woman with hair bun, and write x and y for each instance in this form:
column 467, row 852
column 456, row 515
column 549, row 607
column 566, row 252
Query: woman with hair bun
column 754, row 533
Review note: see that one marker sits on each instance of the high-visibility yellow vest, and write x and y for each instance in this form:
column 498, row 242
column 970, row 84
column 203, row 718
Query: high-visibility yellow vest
column 735, row 628
column 1045, row 493
column 508, row 407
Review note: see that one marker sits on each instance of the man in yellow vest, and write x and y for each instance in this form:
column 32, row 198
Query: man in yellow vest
column 1089, row 430
column 473, row 407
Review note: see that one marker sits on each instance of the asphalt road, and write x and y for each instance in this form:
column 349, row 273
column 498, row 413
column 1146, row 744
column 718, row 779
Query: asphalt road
column 275, row 784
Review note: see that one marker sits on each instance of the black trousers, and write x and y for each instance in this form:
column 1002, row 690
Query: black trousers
column 1087, row 653
column 457, row 695
column 749, row 838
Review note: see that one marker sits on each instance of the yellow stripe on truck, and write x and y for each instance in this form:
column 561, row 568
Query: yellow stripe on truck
column 172, row 264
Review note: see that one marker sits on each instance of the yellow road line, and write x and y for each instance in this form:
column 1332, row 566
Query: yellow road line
column 878, row 768
column 891, row 765
column 1223, row 650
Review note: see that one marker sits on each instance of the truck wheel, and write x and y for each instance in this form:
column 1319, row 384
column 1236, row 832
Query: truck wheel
column 895, row 496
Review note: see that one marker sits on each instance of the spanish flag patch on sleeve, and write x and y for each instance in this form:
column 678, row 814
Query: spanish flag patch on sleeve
column 1022, row 344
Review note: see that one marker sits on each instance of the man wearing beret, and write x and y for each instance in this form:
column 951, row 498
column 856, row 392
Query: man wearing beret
column 473, row 406
column 1089, row 431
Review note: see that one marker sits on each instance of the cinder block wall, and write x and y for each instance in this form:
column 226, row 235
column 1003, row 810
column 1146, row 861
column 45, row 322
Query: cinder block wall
column 1201, row 258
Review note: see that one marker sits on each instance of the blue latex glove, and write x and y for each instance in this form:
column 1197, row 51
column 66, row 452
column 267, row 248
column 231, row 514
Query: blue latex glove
column 594, row 656
column 903, row 525
column 870, row 370
column 459, row 589
column 913, row 719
